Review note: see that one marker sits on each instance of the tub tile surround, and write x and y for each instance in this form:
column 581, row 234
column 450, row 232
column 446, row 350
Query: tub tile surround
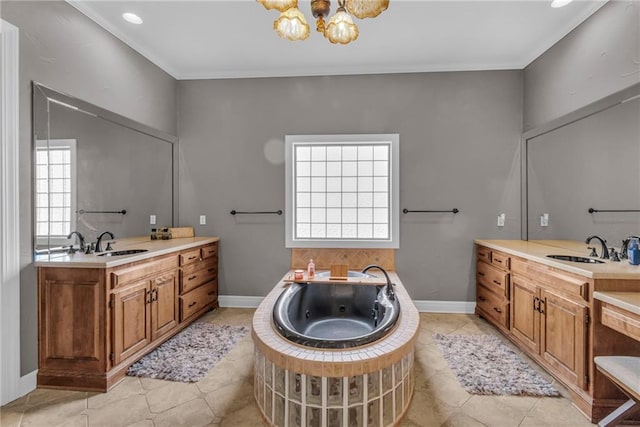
column 225, row 395
column 355, row 259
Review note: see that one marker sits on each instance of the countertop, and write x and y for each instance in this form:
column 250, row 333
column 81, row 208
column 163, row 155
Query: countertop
column 537, row 250
column 629, row 301
column 155, row 248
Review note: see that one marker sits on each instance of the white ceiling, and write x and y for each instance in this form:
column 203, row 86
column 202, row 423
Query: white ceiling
column 229, row 39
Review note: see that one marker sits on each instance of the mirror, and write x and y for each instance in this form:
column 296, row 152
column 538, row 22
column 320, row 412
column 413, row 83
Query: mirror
column 95, row 171
column 590, row 162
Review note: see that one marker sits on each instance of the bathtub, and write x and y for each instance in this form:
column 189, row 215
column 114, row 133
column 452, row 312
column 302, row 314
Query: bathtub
column 360, row 381
column 335, row 315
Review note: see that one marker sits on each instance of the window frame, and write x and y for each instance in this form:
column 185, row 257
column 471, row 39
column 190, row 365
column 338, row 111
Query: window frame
column 292, row 141
column 44, row 144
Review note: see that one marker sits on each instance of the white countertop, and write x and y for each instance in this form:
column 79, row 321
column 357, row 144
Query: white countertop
column 155, row 248
column 629, row 301
column 537, row 250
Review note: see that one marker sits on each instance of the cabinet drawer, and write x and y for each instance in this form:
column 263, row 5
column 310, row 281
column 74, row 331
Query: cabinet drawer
column 484, row 254
column 190, row 280
column 196, row 300
column 500, row 260
column 189, row 257
column 493, row 306
column 493, row 279
column 145, row 268
column 621, row 320
column 210, row 251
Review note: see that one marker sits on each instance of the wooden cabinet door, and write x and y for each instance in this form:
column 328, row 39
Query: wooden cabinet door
column 564, row 337
column 131, row 320
column 525, row 319
column 164, row 307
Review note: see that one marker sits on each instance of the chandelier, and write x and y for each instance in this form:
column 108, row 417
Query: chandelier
column 292, row 25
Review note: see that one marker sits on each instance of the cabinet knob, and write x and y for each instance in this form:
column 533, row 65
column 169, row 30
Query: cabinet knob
column 481, row 298
column 497, row 309
column 192, row 304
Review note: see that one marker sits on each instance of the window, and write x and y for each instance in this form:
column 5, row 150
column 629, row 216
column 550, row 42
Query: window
column 55, row 190
column 342, row 191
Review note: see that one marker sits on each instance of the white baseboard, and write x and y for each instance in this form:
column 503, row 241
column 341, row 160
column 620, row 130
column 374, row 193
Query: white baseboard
column 239, row 301
column 423, row 306
column 28, row 382
column 458, row 307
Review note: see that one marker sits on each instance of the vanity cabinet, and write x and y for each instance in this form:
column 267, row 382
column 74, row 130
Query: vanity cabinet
column 551, row 318
column 94, row 323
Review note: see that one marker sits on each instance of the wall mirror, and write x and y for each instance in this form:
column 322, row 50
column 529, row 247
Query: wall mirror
column 589, row 160
column 95, row 171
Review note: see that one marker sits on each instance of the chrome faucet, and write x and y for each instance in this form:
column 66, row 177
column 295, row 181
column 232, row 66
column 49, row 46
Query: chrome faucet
column 80, row 238
column 389, row 288
column 99, row 241
column 603, row 243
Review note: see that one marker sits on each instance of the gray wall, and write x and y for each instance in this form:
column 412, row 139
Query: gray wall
column 598, row 58
column 63, row 49
column 459, row 147
column 591, row 163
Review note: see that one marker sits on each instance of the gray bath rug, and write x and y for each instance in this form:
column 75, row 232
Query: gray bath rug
column 189, row 355
column 484, row 365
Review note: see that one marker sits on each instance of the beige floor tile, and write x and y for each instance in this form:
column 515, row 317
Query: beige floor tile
column 142, row 423
column 460, row 419
column 446, row 388
column 249, row 416
column 555, row 412
column 225, row 373
column 121, row 413
column 57, row 412
column 149, row 384
column 231, row 398
column 425, row 410
column 10, row 417
column 494, row 410
column 128, row 387
column 43, row 396
column 170, row 395
column 194, row 413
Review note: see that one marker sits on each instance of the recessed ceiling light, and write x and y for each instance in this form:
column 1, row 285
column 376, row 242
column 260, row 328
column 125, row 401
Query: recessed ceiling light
column 132, row 17
column 560, row 3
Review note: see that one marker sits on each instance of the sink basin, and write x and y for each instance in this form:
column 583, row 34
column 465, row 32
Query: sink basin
column 127, row 252
column 576, row 259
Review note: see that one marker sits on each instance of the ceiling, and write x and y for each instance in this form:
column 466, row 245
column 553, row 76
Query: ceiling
column 231, row 39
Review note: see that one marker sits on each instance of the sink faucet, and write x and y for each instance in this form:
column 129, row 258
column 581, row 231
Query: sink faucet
column 99, row 241
column 389, row 287
column 603, row 243
column 80, row 238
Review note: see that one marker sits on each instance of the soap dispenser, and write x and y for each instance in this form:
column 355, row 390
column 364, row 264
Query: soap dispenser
column 634, row 252
column 311, row 269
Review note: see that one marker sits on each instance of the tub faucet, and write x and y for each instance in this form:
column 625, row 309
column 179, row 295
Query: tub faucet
column 80, row 238
column 99, row 241
column 603, row 243
column 389, row 287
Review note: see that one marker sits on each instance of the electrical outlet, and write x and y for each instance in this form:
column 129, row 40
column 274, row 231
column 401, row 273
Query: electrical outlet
column 152, row 219
column 544, row 220
column 501, row 219
column 203, row 219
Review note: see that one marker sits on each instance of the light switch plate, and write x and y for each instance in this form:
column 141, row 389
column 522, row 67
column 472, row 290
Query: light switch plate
column 544, row 220
column 501, row 219
column 203, row 219
column 152, row 219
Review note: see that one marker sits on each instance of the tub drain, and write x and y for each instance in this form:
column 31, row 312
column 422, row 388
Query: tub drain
column 342, row 308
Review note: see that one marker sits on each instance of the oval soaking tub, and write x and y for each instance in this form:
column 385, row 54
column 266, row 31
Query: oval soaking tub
column 335, row 315
column 364, row 384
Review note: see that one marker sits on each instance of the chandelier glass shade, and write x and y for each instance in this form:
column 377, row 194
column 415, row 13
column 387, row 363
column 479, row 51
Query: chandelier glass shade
column 340, row 29
column 292, row 25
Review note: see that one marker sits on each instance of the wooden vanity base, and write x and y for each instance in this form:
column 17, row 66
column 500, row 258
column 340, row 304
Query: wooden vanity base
column 94, row 323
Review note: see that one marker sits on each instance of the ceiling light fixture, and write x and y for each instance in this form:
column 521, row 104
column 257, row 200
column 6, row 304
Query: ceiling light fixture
column 292, row 24
column 560, row 3
column 132, row 17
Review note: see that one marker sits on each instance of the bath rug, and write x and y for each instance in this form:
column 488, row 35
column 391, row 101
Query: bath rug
column 484, row 365
column 188, row 356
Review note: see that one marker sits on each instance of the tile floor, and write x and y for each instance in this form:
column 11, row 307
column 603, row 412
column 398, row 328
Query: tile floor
column 225, row 396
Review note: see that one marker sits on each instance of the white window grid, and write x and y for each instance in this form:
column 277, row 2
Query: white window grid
column 55, row 188
column 342, row 191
